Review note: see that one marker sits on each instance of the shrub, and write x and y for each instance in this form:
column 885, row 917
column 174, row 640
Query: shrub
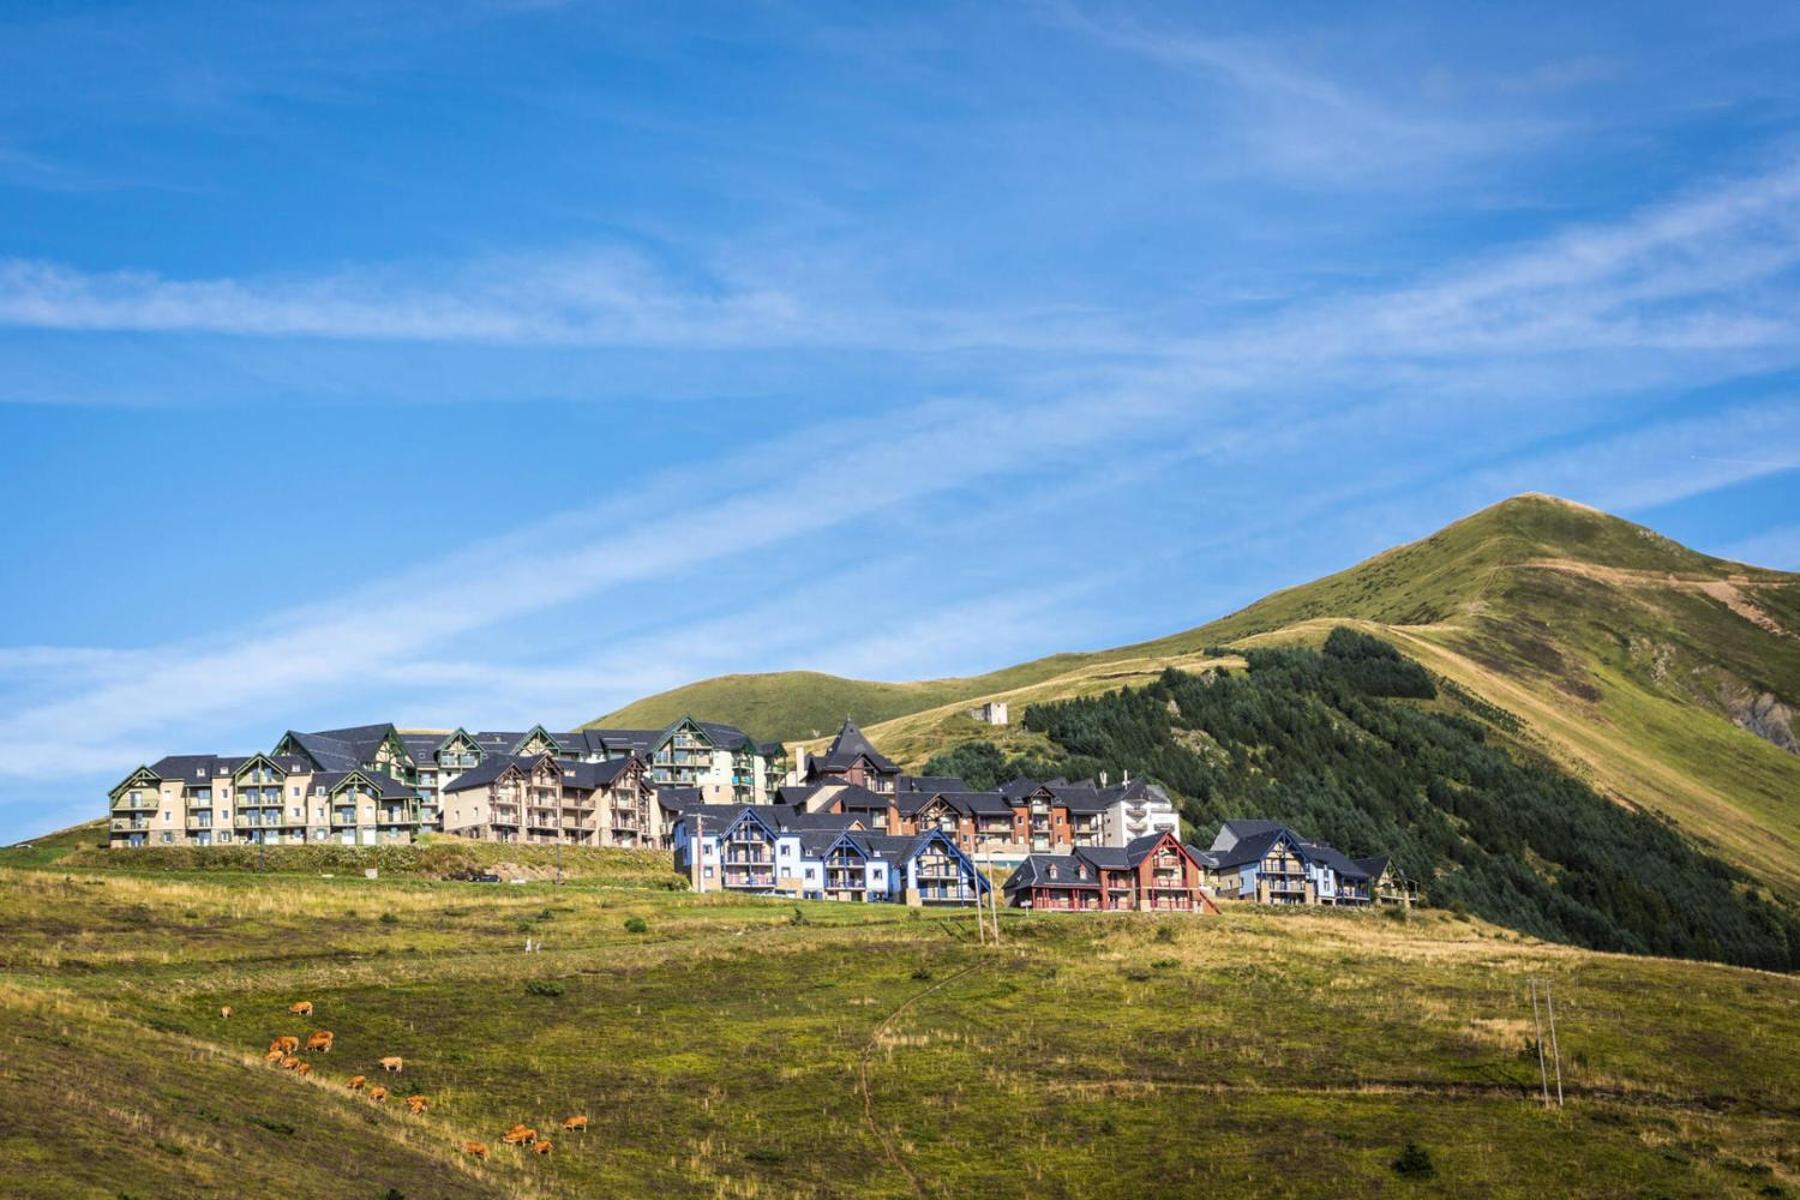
column 1414, row 1163
column 1165, row 933
column 389, row 918
column 922, row 974
column 799, row 917
column 636, row 925
column 543, row 987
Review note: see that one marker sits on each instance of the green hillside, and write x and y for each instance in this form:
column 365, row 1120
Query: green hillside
column 739, row 1047
column 1660, row 676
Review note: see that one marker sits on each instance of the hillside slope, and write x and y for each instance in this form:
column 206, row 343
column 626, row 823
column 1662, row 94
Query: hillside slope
column 743, row 1047
column 1661, row 676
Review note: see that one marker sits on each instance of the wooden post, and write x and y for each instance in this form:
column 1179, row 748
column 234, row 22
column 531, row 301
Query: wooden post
column 1543, row 1071
column 1555, row 1052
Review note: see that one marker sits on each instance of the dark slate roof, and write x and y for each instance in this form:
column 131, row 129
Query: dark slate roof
column 489, row 769
column 680, row 799
column 1012, row 789
column 1205, row 858
column 931, row 783
column 1252, row 848
column 1035, row 870
column 1330, row 856
column 967, row 804
column 1113, row 858
column 770, row 749
column 1080, row 798
column 854, row 797
column 422, row 748
column 591, row 775
column 851, row 744
column 1140, row 846
column 1240, row 829
column 622, row 741
column 1372, row 867
column 386, row 786
column 329, row 753
column 185, row 766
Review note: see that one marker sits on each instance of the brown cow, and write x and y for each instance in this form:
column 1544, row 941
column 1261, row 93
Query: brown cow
column 273, row 1056
column 320, row 1040
column 478, row 1149
column 301, row 1008
column 289, row 1063
column 286, row 1043
column 417, row 1104
column 541, row 1147
column 393, row 1062
column 378, row 1094
column 224, row 1012
column 356, row 1082
column 304, row 1068
column 573, row 1123
column 519, row 1135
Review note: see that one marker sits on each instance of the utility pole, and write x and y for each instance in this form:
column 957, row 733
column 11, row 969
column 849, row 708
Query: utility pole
column 1537, row 1023
column 559, row 842
column 697, row 860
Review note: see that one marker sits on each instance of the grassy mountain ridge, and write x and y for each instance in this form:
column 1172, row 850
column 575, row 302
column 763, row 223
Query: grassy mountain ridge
column 1660, row 676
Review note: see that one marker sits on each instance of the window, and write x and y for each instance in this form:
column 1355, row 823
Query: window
column 167, row 837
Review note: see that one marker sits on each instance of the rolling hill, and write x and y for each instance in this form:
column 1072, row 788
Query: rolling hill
column 1660, row 676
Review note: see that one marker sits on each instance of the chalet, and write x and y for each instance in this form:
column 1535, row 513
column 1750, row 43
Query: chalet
column 852, row 758
column 1268, row 863
column 1154, row 873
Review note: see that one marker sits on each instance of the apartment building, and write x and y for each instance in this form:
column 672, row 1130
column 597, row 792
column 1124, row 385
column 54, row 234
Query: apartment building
column 1266, row 862
column 274, row 799
column 1153, row 873
column 545, row 799
column 780, row 850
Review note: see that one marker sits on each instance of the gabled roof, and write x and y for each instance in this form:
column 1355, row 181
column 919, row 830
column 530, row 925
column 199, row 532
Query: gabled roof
column 1373, row 867
column 386, row 786
column 326, row 753
column 1036, row 871
column 1330, row 856
column 851, row 744
column 491, row 767
column 593, row 775
column 930, row 783
column 1232, row 832
column 1252, row 848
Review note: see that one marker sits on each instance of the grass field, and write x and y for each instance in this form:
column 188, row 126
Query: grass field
column 745, row 1048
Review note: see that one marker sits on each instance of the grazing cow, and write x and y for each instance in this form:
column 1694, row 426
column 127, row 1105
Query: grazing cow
column 356, row 1082
column 393, row 1062
column 224, row 1012
column 518, row 1135
column 571, row 1124
column 301, row 1008
column 273, row 1056
column 378, row 1094
column 478, row 1149
column 417, row 1104
column 320, row 1040
column 289, row 1063
column 304, row 1068
column 286, row 1043
column 541, row 1147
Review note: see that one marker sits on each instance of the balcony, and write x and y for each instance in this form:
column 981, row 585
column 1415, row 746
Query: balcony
column 124, row 824
column 200, row 822
column 746, row 878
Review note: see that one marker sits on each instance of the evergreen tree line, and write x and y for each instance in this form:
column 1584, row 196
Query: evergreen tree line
column 1334, row 744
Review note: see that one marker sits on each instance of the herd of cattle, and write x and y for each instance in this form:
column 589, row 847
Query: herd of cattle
column 284, row 1052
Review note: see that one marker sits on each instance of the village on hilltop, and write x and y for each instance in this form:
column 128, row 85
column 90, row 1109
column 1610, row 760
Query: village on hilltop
column 845, row 825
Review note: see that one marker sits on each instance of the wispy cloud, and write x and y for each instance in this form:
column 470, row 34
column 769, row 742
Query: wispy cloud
column 1305, row 126
column 584, row 297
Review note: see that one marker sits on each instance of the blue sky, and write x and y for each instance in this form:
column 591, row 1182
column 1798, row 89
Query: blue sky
column 490, row 363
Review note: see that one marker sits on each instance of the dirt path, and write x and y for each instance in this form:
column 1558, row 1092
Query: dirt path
column 889, row 1150
column 1725, row 591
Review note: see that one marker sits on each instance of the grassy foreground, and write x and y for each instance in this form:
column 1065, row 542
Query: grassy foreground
column 741, row 1048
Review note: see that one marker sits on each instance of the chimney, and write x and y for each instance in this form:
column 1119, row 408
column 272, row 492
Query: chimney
column 1103, row 779
column 1124, row 778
